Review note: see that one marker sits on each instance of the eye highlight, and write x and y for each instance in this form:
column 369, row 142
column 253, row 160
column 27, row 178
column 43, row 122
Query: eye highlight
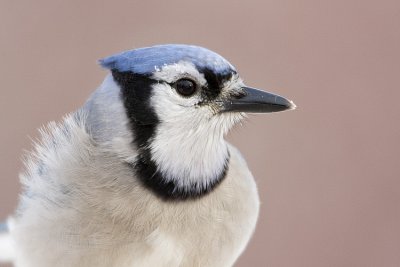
column 185, row 87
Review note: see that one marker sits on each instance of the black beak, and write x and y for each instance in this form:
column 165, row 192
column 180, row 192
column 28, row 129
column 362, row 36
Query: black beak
column 257, row 101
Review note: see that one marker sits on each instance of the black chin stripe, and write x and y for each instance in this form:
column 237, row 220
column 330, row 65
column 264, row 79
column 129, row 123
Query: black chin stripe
column 135, row 93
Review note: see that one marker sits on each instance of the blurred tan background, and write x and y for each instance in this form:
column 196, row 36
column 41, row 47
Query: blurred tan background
column 328, row 173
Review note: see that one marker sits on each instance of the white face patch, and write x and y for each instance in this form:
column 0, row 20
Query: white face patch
column 188, row 145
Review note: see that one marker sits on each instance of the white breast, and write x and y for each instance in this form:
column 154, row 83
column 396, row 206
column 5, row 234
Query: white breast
column 86, row 209
column 212, row 231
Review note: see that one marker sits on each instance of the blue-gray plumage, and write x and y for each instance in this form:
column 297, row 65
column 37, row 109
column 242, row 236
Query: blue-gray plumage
column 145, row 60
column 3, row 227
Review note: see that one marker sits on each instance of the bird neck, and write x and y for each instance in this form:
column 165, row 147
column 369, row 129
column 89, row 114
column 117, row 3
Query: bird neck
column 183, row 163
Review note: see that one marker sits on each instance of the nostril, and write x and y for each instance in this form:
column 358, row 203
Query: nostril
column 238, row 94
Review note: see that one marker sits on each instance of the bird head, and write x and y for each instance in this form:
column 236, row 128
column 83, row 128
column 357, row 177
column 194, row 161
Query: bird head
column 176, row 103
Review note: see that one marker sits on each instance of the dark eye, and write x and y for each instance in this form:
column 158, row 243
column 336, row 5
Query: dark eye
column 185, row 87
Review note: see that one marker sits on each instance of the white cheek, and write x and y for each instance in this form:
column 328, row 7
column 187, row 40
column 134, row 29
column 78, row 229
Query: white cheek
column 168, row 103
column 188, row 144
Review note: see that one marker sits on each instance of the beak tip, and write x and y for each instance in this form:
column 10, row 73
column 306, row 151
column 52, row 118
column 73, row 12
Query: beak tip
column 292, row 105
column 285, row 103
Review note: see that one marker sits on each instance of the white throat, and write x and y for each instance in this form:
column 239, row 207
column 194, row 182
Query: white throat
column 190, row 155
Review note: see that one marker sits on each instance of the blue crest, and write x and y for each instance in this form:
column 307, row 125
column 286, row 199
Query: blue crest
column 146, row 60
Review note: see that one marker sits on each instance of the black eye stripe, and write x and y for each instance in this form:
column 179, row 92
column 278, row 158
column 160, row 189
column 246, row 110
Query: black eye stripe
column 210, row 90
column 215, row 82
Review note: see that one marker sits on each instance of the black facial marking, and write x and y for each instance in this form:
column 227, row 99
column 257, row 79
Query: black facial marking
column 215, row 82
column 135, row 93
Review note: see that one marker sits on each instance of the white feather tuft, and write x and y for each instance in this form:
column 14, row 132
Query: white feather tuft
column 7, row 248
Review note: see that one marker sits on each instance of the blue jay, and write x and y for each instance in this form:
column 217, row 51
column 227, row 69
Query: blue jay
column 141, row 175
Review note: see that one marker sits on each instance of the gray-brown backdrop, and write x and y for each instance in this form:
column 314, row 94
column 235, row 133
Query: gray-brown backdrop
column 328, row 173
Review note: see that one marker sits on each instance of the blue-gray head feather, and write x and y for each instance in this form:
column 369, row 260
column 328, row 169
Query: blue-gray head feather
column 147, row 60
column 3, row 227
